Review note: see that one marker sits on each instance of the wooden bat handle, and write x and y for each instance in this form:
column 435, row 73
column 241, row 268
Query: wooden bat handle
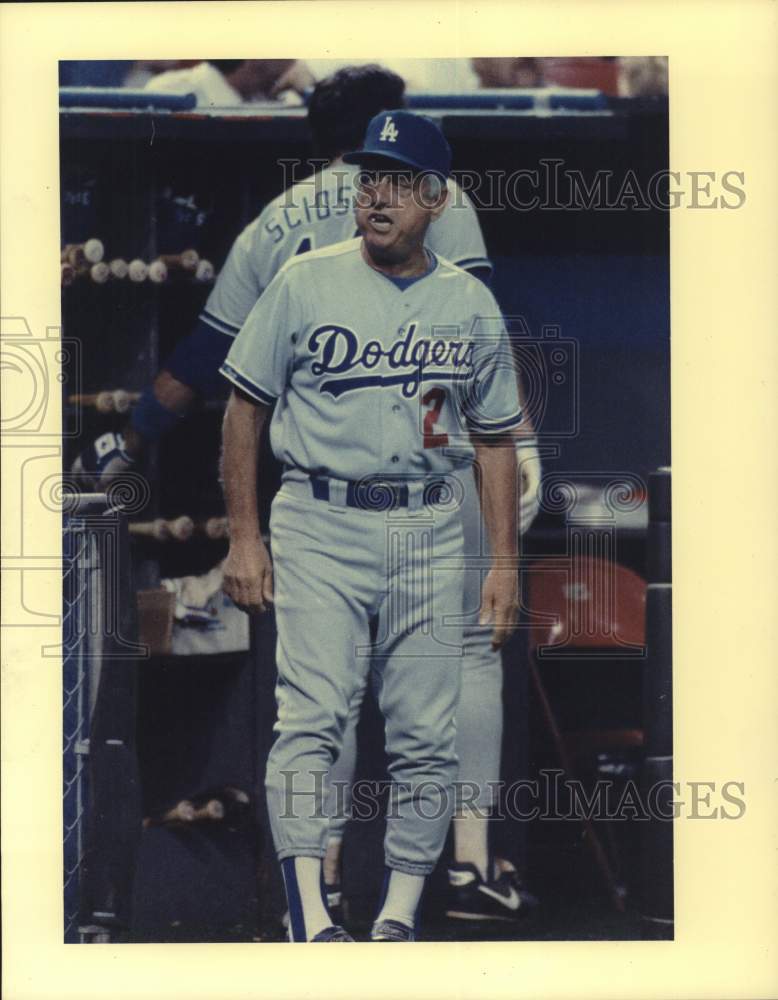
column 179, row 530
column 212, row 810
column 107, row 401
column 182, row 812
column 102, row 401
column 187, row 260
column 156, row 529
column 123, row 400
column 119, row 268
column 216, row 528
column 99, row 273
column 205, row 271
column 137, row 270
column 76, row 254
column 157, row 271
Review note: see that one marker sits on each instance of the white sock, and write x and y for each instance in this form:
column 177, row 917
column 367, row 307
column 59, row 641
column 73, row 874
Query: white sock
column 471, row 842
column 402, row 898
column 332, row 860
column 307, row 913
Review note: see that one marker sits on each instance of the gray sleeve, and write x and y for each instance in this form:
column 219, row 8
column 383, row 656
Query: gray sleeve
column 260, row 358
column 249, row 267
column 492, row 404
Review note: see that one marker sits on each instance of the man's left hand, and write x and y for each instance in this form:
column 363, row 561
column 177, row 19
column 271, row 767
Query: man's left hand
column 500, row 604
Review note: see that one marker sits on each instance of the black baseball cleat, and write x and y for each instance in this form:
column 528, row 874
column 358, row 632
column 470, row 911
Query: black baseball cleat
column 331, row 934
column 471, row 898
column 391, row 930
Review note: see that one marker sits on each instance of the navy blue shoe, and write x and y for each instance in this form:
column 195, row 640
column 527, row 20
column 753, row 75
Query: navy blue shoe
column 391, row 930
column 331, row 934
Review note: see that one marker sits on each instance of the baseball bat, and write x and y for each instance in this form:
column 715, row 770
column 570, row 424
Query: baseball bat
column 205, row 271
column 216, row 528
column 213, row 809
column 99, row 273
column 119, row 268
column 107, row 401
column 157, row 271
column 161, row 530
column 236, row 795
column 182, row 812
column 137, row 270
column 76, row 254
column 186, row 261
column 227, row 794
column 232, row 802
column 123, row 400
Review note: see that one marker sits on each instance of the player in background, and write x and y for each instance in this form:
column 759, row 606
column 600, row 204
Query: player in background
column 311, row 214
column 314, row 213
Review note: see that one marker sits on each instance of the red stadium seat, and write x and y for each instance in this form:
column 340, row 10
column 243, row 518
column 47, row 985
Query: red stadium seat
column 583, row 602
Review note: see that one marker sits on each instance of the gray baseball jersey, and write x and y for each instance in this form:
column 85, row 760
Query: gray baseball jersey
column 316, row 213
column 372, row 379
column 369, row 377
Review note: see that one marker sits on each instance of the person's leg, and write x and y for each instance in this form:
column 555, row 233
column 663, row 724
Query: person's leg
column 479, row 741
column 479, row 713
column 341, row 782
column 322, row 591
column 417, row 672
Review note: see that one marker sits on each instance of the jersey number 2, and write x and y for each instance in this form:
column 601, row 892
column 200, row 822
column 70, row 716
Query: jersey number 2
column 434, row 399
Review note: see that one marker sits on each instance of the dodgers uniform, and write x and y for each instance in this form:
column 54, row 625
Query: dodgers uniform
column 371, row 382
column 314, row 213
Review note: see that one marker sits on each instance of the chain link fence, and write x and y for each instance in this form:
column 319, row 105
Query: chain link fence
column 100, row 794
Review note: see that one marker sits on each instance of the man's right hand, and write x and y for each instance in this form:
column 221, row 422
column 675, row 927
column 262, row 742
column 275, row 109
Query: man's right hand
column 248, row 576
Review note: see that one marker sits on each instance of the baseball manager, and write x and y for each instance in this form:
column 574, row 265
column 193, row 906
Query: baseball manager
column 390, row 372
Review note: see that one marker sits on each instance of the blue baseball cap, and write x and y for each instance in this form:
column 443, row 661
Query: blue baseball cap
column 403, row 137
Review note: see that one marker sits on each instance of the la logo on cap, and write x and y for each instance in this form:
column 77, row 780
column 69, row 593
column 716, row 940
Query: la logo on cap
column 389, row 132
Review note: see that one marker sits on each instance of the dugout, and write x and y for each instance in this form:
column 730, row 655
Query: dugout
column 571, row 199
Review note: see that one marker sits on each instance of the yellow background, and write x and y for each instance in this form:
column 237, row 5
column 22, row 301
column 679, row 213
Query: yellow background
column 723, row 110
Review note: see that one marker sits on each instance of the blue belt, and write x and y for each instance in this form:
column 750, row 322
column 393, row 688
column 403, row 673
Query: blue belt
column 380, row 494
